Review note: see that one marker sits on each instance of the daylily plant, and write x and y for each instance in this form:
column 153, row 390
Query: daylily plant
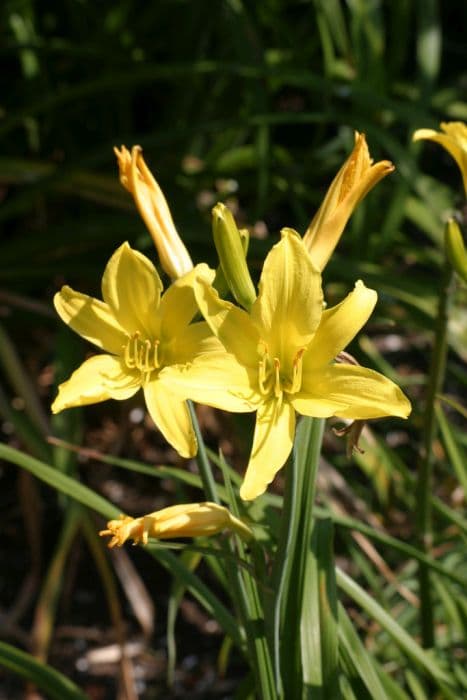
column 142, row 331
column 279, row 359
column 184, row 520
column 454, row 140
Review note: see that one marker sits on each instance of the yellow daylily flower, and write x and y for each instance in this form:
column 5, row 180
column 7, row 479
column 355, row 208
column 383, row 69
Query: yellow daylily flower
column 279, row 359
column 454, row 140
column 136, row 177
column 142, row 332
column 352, row 183
column 186, row 520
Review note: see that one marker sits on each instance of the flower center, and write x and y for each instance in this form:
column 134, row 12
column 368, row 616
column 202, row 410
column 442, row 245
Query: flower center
column 142, row 354
column 275, row 379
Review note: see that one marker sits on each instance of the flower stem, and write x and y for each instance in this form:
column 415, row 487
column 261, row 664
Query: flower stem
column 426, row 459
column 289, row 567
column 207, row 477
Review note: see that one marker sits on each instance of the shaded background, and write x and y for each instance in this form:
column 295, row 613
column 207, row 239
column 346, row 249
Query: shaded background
column 254, row 104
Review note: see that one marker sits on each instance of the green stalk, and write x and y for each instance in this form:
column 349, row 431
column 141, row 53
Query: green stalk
column 207, row 477
column 426, row 460
column 250, row 603
column 294, row 543
column 247, row 592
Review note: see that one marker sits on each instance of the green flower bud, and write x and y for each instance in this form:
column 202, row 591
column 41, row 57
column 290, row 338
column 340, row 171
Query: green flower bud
column 455, row 248
column 230, row 245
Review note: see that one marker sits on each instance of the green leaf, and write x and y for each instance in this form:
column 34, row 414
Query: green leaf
column 60, row 482
column 455, row 452
column 395, row 631
column 191, row 560
column 318, row 628
column 292, row 555
column 357, row 660
column 57, row 686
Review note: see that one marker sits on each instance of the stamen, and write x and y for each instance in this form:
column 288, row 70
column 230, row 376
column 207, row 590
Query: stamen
column 142, row 355
column 297, row 372
column 278, row 393
column 262, row 376
column 277, row 378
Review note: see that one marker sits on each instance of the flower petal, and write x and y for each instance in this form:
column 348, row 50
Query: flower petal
column 215, row 379
column 338, row 327
column 178, row 304
column 272, row 444
column 351, row 391
column 290, row 300
column 171, row 415
column 90, row 318
column 100, row 378
column 454, row 140
column 231, row 325
column 132, row 288
column 196, row 339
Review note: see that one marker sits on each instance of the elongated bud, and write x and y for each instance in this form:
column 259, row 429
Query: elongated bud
column 185, row 520
column 455, row 248
column 354, row 180
column 231, row 252
column 136, row 177
column 453, row 138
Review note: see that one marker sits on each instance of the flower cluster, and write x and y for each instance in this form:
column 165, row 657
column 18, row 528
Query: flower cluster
column 278, row 352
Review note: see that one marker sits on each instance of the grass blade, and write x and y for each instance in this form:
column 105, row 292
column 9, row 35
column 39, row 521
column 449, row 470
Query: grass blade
column 43, row 676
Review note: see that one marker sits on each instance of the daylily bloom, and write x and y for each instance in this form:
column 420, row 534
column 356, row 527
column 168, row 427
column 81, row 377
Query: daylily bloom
column 186, row 520
column 454, row 140
column 279, row 359
column 352, row 183
column 136, row 177
column 142, row 332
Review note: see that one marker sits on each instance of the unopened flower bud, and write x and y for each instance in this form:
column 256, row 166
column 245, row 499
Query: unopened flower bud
column 136, row 177
column 231, row 251
column 185, row 520
column 455, row 248
column 352, row 183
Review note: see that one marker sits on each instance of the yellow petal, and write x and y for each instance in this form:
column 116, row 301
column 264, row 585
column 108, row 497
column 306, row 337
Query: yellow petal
column 351, row 391
column 454, row 140
column 195, row 340
column 215, row 379
column 272, row 444
column 90, row 318
column 339, row 325
column 231, row 325
column 100, row 378
column 132, row 288
column 136, row 177
column 290, row 300
column 352, row 183
column 171, row 415
column 178, row 304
